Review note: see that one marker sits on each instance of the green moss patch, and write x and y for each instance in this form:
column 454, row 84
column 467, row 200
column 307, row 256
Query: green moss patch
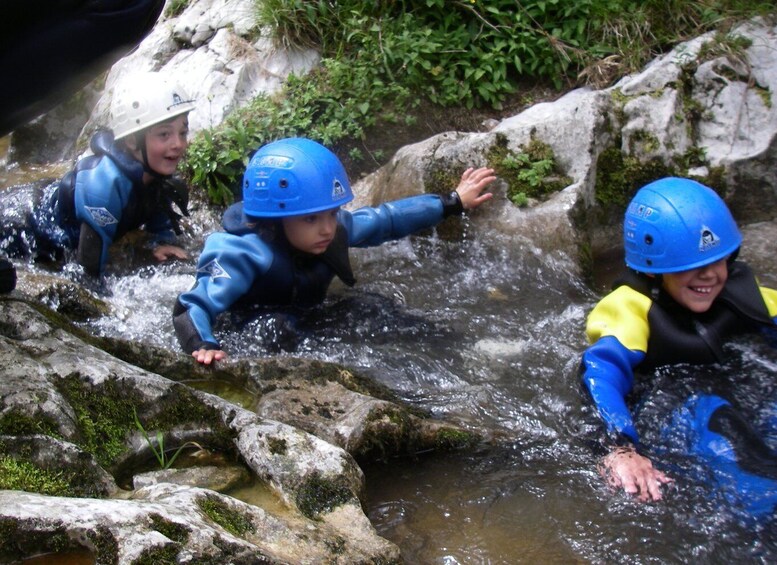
column 235, row 522
column 105, row 545
column 318, row 495
column 23, row 475
column 619, row 176
column 14, row 423
column 104, row 415
column 452, row 438
column 169, row 529
column 531, row 173
column 164, row 555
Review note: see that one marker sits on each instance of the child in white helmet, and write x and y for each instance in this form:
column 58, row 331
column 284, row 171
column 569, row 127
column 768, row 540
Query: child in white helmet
column 125, row 184
column 681, row 299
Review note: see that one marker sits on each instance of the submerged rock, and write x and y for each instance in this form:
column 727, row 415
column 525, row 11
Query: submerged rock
column 77, row 422
column 167, row 523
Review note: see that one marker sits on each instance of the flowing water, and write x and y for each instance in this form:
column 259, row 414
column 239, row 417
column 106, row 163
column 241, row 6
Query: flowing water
column 486, row 332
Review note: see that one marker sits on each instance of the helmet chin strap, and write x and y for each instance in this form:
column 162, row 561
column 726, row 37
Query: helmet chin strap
column 140, row 142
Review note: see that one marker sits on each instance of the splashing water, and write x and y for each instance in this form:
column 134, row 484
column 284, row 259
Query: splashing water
column 487, row 333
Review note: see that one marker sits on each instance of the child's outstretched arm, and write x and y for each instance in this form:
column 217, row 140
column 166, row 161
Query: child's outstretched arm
column 370, row 226
column 607, row 376
column 617, row 328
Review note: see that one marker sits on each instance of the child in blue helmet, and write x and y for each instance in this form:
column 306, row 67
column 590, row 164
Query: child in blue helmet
column 125, row 184
column 682, row 297
column 289, row 237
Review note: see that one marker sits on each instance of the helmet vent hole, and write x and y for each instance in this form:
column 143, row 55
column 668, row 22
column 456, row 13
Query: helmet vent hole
column 649, row 239
column 281, row 205
column 649, row 262
column 283, row 183
column 136, row 105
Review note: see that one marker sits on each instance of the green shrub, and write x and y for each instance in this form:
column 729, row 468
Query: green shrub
column 379, row 59
column 334, row 102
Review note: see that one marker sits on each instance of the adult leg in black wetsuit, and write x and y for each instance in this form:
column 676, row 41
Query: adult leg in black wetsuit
column 49, row 49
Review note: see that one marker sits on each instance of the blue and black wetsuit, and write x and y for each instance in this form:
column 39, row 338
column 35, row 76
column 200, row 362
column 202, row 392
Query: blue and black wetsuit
column 95, row 204
column 733, row 450
column 253, row 263
column 638, row 325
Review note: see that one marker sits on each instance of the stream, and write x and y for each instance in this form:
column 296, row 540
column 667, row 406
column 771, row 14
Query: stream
column 486, row 332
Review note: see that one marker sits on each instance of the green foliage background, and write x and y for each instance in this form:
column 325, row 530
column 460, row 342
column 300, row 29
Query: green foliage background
column 381, row 58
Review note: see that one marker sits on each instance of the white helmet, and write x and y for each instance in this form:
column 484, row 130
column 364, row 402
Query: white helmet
column 143, row 100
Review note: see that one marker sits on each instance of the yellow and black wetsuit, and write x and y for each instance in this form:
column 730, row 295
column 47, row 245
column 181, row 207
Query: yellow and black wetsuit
column 638, row 324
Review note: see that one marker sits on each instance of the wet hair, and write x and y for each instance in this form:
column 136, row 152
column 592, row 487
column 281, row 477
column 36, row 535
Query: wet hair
column 268, row 229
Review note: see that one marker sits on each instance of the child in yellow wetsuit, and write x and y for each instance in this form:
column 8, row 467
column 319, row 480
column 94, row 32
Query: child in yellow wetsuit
column 683, row 295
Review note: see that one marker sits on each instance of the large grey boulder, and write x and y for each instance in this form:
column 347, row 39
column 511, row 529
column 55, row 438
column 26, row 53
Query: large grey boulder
column 87, row 423
column 705, row 110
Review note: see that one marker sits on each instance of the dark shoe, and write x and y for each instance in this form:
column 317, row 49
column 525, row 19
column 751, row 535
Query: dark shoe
column 7, row 276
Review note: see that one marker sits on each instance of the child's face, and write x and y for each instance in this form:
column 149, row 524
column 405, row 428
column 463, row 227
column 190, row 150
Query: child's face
column 166, row 143
column 697, row 289
column 311, row 233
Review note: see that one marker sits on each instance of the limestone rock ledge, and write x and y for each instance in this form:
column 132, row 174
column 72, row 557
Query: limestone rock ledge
column 77, row 423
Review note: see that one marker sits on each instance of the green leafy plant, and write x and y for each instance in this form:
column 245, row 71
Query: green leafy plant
column 530, row 173
column 176, row 7
column 380, row 59
column 520, row 199
column 332, row 103
column 158, row 447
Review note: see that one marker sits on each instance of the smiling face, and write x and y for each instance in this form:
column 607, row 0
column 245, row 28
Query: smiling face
column 311, row 233
column 166, row 144
column 697, row 289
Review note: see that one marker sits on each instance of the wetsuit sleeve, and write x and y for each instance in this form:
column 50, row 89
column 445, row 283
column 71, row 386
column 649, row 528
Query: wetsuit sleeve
column 770, row 298
column 90, row 250
column 618, row 331
column 393, row 220
column 226, row 270
column 100, row 195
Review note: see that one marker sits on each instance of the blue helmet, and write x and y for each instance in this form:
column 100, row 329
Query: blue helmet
column 676, row 224
column 292, row 177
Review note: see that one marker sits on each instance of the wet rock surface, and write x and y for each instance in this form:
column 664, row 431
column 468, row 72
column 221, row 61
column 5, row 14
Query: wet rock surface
column 80, row 422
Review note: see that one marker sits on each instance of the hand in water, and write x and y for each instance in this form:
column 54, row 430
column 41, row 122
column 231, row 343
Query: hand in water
column 625, row 468
column 208, row 356
column 165, row 252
